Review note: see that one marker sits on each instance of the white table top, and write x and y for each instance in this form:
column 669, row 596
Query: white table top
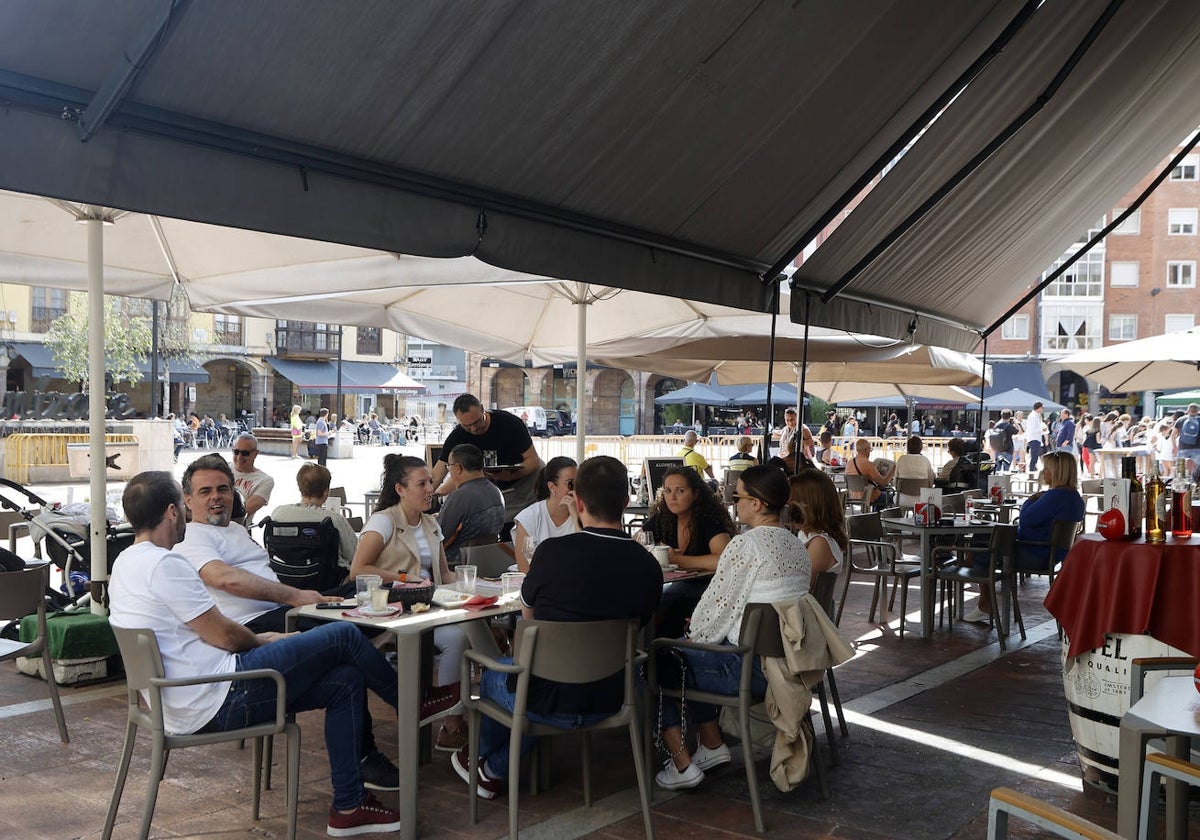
column 1173, row 705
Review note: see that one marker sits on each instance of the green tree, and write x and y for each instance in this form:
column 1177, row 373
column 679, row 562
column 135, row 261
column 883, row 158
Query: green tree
column 126, row 342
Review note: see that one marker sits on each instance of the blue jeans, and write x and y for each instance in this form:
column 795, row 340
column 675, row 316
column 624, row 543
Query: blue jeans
column 716, row 672
column 1035, row 452
column 328, row 667
column 494, row 737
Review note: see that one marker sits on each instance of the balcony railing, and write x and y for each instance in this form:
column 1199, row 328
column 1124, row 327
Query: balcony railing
column 290, row 342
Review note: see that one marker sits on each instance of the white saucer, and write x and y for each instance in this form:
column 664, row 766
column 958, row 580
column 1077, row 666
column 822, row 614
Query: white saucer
column 670, row 567
column 371, row 612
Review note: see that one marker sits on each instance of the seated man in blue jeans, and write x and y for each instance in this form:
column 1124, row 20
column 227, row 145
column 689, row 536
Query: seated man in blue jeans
column 329, row 667
column 596, row 574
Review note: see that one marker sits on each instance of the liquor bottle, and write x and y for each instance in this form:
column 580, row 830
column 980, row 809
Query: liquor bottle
column 1137, row 497
column 1156, row 506
column 1181, row 502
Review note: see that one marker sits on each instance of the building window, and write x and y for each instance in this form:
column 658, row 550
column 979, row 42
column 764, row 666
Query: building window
column 227, row 329
column 1122, row 327
column 306, row 337
column 1186, row 170
column 1123, row 273
column 370, row 343
column 1016, row 328
column 47, row 305
column 1181, row 274
column 1087, row 235
column 1066, row 328
column 1131, row 226
column 1181, row 221
column 1175, row 323
column 1084, row 279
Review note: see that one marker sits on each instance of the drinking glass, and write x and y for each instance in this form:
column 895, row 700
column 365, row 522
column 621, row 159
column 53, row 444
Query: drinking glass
column 510, row 583
column 363, row 585
column 466, row 578
column 530, row 546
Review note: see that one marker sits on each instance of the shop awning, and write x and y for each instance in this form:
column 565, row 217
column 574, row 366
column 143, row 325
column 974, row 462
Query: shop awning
column 320, row 376
column 1027, row 376
column 181, row 370
column 43, row 364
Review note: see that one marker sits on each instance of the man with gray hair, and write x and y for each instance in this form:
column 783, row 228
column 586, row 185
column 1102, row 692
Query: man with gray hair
column 693, row 459
column 475, row 510
column 254, row 484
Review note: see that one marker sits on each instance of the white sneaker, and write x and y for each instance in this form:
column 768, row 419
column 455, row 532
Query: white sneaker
column 706, row 759
column 978, row 616
column 672, row 779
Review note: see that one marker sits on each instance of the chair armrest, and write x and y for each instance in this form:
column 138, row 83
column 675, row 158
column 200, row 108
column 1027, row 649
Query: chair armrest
column 688, row 644
column 1144, row 665
column 490, row 663
column 254, row 674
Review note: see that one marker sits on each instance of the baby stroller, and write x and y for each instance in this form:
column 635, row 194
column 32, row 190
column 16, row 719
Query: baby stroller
column 63, row 530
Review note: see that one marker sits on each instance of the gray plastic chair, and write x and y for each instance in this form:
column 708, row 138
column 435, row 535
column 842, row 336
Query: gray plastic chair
column 568, row 652
column 1000, row 571
column 22, row 593
column 144, row 672
column 883, row 561
column 760, row 635
column 491, row 559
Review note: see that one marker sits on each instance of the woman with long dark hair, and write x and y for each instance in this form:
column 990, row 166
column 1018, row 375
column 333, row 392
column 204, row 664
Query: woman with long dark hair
column 767, row 564
column 554, row 514
column 689, row 520
column 401, row 538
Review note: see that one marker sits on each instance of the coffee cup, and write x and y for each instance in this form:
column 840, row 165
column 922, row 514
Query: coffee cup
column 663, row 555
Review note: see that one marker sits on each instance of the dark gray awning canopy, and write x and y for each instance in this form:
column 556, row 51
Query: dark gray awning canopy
column 42, row 363
column 678, row 148
column 319, row 376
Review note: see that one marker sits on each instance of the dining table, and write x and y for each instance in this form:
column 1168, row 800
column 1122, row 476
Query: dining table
column 407, row 628
column 909, row 527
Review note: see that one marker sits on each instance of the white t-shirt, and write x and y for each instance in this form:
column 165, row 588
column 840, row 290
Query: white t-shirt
column 834, row 548
column 538, row 525
column 231, row 544
column 1035, row 429
column 157, row 589
column 382, row 524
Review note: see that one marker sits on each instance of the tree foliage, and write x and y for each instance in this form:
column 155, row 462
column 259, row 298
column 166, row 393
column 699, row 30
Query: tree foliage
column 126, row 341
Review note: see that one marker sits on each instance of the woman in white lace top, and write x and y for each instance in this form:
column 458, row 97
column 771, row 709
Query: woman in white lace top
column 764, row 565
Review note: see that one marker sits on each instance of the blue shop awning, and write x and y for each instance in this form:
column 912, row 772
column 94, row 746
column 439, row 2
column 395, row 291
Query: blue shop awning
column 1026, row 376
column 43, row 364
column 180, row 370
column 320, row 376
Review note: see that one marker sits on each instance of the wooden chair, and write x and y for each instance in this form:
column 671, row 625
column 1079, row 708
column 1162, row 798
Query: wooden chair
column 144, row 672
column 22, row 593
column 1006, row 802
column 551, row 650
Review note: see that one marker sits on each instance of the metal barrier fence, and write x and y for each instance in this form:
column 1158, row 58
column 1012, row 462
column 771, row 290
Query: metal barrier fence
column 23, row 451
column 717, row 450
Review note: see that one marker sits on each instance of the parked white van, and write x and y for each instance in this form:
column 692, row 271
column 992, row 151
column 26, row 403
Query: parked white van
column 534, row 417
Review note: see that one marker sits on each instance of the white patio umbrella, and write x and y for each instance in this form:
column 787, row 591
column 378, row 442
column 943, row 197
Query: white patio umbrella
column 1161, row 361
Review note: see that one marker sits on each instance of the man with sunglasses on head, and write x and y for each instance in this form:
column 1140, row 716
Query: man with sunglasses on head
column 504, row 442
column 254, row 484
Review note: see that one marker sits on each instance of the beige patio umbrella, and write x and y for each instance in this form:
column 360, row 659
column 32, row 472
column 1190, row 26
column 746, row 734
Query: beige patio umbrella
column 1171, row 360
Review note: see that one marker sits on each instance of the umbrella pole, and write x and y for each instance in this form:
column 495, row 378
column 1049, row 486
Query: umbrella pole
column 982, row 387
column 769, row 421
column 97, row 479
column 581, row 412
column 337, row 394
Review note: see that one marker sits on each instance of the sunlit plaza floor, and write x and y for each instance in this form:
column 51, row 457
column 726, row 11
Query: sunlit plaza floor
column 934, row 725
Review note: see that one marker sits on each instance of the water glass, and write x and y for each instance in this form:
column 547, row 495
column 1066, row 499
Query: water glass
column 379, row 598
column 510, row 583
column 466, row 578
column 529, row 547
column 363, row 586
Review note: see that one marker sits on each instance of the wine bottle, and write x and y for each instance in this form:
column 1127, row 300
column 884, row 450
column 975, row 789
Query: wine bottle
column 1156, row 506
column 1181, row 502
column 1137, row 497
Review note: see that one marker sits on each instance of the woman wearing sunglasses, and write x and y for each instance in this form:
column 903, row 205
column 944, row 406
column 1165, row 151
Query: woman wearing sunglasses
column 767, row 564
column 554, row 514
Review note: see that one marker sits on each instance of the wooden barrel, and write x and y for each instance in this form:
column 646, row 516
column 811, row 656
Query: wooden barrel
column 1096, row 684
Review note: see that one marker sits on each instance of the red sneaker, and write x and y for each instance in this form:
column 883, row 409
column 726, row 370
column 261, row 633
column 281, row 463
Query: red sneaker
column 439, row 699
column 368, row 818
column 488, row 788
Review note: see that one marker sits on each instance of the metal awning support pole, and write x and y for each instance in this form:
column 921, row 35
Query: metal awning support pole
column 337, row 396
column 97, row 480
column 803, row 367
column 768, row 421
column 982, row 388
column 581, row 408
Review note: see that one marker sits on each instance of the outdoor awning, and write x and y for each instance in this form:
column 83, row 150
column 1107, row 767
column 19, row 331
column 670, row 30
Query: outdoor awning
column 181, row 370
column 43, row 364
column 1026, row 376
column 319, row 376
column 931, row 403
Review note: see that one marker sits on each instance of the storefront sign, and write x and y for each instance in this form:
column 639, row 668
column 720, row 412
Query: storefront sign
column 52, row 405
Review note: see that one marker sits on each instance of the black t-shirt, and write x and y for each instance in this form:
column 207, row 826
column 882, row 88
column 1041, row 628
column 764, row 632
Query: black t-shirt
column 668, row 535
column 1006, row 431
column 593, row 575
column 506, row 435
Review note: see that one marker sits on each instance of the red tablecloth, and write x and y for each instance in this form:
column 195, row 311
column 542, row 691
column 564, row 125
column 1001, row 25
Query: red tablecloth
column 1129, row 587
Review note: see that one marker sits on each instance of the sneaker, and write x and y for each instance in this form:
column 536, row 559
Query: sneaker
column 378, row 773
column 451, row 740
column 489, row 788
column 706, row 758
column 439, row 699
column 978, row 616
column 368, row 818
column 674, row 779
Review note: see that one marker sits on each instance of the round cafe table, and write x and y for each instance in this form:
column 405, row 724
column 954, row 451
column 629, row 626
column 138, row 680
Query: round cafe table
column 1118, row 601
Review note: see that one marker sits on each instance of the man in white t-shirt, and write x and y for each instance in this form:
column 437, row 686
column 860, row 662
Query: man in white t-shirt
column 254, row 484
column 236, row 569
column 329, row 667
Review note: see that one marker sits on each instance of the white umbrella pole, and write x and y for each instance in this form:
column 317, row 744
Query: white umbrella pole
column 96, row 407
column 581, row 409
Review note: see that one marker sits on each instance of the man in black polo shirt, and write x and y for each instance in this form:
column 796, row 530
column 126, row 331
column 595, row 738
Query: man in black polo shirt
column 596, row 574
column 504, row 441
